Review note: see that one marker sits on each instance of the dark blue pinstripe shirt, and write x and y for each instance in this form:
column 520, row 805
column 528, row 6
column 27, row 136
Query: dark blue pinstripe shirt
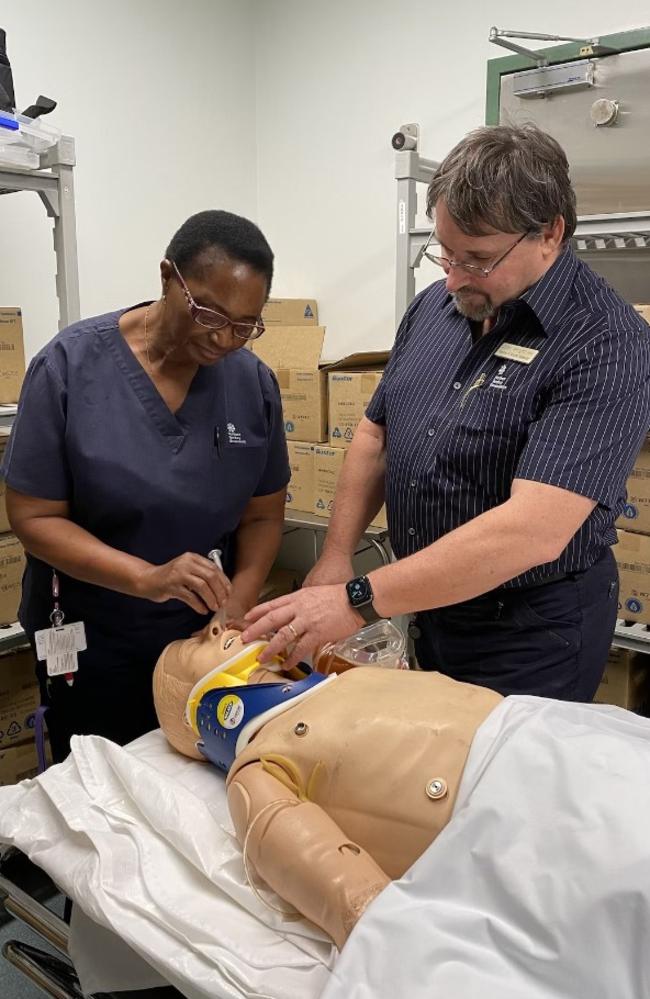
column 462, row 423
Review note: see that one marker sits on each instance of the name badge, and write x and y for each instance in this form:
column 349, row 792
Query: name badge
column 513, row 352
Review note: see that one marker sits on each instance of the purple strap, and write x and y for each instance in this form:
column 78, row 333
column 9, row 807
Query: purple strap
column 39, row 735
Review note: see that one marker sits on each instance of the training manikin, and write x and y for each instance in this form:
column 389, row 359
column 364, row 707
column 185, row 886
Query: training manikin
column 336, row 784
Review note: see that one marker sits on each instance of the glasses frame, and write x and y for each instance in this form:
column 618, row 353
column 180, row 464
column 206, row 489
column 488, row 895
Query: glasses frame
column 252, row 331
column 449, row 265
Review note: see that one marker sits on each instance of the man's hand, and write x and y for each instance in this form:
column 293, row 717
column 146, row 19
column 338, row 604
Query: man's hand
column 302, row 622
column 330, row 569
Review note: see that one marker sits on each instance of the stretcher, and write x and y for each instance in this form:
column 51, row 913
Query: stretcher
column 539, row 886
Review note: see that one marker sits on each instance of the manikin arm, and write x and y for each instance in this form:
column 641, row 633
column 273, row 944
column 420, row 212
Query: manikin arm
column 298, row 850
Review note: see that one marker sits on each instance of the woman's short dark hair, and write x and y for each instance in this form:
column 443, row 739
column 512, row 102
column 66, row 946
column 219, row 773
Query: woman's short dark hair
column 222, row 233
column 508, row 178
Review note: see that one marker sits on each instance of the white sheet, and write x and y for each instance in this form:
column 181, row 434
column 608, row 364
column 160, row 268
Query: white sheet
column 142, row 841
column 539, row 888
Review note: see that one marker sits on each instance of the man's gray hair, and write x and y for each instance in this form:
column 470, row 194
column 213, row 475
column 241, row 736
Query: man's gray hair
column 512, row 179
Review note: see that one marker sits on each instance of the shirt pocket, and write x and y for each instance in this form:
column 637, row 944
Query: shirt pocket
column 500, row 412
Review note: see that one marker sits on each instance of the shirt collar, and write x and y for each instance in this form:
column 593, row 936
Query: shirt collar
column 547, row 297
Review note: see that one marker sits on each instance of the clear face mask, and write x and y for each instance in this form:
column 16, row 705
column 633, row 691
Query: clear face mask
column 379, row 644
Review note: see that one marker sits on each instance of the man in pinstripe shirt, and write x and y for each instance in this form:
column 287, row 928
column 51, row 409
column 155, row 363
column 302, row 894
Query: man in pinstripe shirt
column 508, row 419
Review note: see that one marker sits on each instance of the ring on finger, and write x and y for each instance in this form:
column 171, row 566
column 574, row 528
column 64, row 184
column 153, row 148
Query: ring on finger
column 293, row 631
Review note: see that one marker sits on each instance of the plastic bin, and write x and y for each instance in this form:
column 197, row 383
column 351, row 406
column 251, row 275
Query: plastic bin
column 20, row 136
column 16, row 155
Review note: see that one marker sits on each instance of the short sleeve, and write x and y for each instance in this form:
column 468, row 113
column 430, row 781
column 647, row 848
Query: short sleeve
column 35, row 461
column 595, row 419
column 277, row 471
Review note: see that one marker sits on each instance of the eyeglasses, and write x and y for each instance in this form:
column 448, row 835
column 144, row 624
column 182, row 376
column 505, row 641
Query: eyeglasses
column 475, row 269
column 210, row 319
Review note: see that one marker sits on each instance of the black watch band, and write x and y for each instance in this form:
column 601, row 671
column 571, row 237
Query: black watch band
column 360, row 598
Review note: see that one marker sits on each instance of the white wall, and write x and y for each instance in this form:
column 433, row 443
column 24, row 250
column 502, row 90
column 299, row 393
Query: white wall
column 279, row 109
column 334, row 81
column 160, row 97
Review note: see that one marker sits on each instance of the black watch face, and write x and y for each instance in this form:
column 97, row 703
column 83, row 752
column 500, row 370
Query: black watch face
column 359, row 591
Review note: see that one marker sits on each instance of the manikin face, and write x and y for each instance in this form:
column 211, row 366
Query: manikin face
column 182, row 665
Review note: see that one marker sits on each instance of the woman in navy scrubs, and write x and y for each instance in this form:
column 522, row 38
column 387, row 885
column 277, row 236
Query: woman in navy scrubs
column 144, row 439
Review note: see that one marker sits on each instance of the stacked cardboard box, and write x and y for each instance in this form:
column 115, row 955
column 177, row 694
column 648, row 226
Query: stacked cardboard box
column 633, row 557
column 12, row 355
column 12, row 373
column 19, row 699
column 351, row 385
column 12, row 564
column 322, row 402
column 624, row 682
column 294, row 354
column 636, row 515
column 633, row 549
column 290, row 312
column 4, row 522
column 626, row 678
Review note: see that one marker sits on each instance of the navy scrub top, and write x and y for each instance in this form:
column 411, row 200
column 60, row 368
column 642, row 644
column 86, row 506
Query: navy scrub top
column 92, row 429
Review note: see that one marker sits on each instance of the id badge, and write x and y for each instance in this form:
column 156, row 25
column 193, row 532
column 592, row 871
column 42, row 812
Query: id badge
column 59, row 646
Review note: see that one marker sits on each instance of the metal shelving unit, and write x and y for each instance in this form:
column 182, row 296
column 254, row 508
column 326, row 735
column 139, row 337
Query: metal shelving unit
column 54, row 184
column 633, row 636
column 411, row 169
column 376, row 537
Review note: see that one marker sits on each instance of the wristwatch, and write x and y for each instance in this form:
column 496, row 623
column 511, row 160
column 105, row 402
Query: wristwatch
column 360, row 597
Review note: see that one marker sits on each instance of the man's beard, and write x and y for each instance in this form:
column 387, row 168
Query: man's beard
column 476, row 311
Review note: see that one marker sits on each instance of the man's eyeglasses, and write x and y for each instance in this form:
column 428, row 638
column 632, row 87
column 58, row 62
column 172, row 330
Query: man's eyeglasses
column 448, row 265
column 210, row 319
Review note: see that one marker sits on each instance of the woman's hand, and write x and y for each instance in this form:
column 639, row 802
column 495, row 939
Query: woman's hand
column 191, row 578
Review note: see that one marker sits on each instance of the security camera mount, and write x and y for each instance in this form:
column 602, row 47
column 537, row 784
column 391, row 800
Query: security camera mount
column 406, row 137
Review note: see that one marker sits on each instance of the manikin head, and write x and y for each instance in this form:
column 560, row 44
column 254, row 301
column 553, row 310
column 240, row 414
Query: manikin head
column 212, row 696
column 210, row 691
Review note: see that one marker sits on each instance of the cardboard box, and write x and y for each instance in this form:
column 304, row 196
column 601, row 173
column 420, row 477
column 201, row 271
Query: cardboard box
column 18, row 763
column 294, row 353
column 632, row 555
column 4, row 522
column 352, row 384
column 290, row 312
column 623, row 680
column 19, row 697
column 644, row 310
column 280, row 582
column 12, row 355
column 12, row 563
column 300, row 491
column 636, row 513
column 328, row 462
